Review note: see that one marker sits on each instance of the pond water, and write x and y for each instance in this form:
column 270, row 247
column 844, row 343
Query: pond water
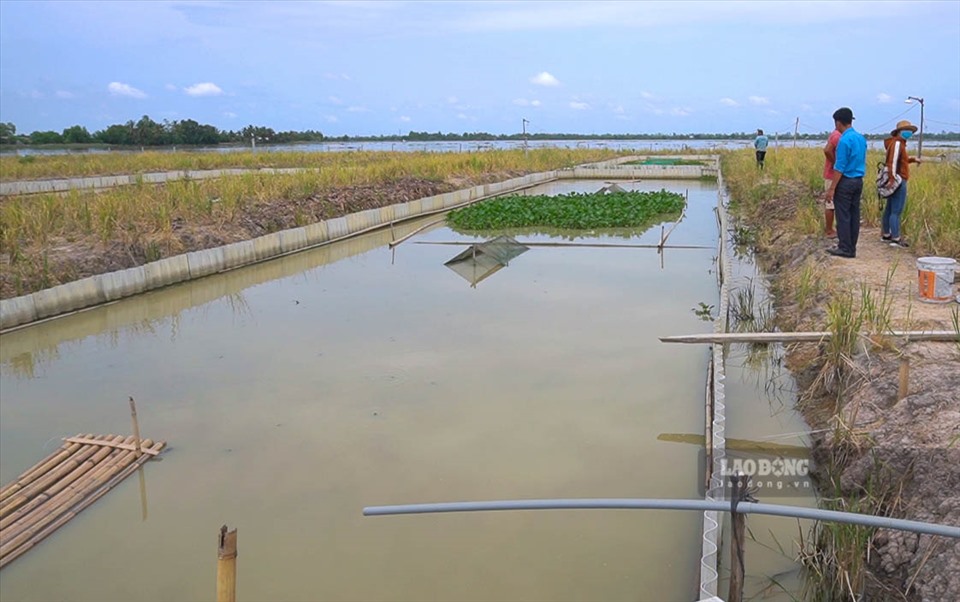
column 296, row 392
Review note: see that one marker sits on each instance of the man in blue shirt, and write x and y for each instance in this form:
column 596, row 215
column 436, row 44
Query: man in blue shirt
column 760, row 144
column 848, row 171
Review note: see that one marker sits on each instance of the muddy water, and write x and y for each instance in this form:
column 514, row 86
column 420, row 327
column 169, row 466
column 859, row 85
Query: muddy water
column 296, row 392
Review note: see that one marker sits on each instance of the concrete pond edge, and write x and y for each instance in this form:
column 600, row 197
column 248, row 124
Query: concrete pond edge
column 102, row 289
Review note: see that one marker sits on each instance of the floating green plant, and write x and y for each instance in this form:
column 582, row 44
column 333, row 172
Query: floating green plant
column 574, row 211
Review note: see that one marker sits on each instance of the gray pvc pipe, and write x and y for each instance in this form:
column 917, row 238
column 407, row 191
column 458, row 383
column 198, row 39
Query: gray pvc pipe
column 671, row 504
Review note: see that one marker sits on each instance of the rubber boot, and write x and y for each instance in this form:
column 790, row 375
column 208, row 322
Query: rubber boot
column 828, row 223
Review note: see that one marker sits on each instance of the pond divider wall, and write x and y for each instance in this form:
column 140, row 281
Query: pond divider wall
column 106, row 288
column 160, row 177
column 713, row 520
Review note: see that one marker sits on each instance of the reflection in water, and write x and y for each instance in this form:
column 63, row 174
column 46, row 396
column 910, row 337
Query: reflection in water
column 24, row 350
column 480, row 261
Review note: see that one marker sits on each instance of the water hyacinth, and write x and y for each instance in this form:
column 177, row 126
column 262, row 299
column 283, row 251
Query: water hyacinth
column 574, row 211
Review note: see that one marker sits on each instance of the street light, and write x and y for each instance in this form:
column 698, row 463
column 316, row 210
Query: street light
column 909, row 101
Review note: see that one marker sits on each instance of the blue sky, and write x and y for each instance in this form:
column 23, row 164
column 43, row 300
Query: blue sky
column 368, row 68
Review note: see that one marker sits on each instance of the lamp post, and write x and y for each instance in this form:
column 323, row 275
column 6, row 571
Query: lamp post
column 909, row 101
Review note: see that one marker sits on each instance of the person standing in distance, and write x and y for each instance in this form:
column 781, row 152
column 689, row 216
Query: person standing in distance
column 760, row 144
column 844, row 192
column 830, row 156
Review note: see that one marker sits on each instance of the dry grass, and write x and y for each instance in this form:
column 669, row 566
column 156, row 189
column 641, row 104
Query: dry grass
column 142, row 218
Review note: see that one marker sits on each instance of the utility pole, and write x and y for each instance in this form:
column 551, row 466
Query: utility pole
column 796, row 130
column 910, row 100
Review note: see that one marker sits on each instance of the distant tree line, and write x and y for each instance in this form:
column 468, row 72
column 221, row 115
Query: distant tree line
column 187, row 132
column 147, row 132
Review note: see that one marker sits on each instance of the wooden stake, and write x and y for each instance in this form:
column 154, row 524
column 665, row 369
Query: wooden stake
column 227, row 566
column 136, row 425
column 417, row 231
column 904, row 389
column 739, row 526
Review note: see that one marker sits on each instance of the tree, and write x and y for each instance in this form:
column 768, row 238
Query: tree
column 77, row 135
column 48, row 137
column 148, row 132
column 8, row 133
column 116, row 134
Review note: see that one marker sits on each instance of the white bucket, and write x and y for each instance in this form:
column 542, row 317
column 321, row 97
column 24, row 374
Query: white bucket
column 935, row 275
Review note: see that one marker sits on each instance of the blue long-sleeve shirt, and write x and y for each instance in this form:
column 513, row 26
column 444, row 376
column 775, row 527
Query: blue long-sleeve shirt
column 851, row 154
column 761, row 143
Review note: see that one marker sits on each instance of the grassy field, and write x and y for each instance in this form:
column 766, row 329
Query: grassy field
column 36, row 167
column 931, row 221
column 146, row 216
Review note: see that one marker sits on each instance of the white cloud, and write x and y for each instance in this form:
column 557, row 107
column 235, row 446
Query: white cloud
column 772, row 112
column 535, row 103
column 461, row 116
column 619, row 110
column 679, row 111
column 334, row 100
column 405, row 119
column 331, row 118
column 339, row 76
column 120, row 89
column 357, row 109
column 230, row 115
column 204, row 89
column 544, row 79
column 65, row 94
column 884, row 98
column 171, row 87
column 759, row 100
column 729, row 102
column 579, row 106
column 647, row 95
column 452, row 100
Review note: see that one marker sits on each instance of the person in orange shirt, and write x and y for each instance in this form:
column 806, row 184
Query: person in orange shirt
column 898, row 162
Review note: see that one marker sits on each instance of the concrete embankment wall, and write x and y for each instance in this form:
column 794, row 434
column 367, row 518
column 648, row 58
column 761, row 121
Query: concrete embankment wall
column 101, row 182
column 110, row 287
column 105, row 288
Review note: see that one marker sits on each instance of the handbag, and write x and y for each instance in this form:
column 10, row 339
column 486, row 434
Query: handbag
column 887, row 185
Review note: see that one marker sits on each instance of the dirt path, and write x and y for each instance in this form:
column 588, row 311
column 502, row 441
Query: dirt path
column 901, row 454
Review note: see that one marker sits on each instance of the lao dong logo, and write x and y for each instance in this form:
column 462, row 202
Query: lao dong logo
column 764, row 468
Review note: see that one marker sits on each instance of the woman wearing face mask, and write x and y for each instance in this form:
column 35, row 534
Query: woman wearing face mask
column 897, row 162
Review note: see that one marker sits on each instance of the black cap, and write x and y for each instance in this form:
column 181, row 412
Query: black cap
column 844, row 115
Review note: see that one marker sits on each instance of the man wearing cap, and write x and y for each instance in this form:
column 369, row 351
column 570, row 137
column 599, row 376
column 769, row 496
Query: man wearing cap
column 898, row 162
column 848, row 171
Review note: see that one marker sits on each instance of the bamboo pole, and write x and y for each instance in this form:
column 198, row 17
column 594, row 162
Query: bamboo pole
column 63, row 501
column 36, row 488
column 708, row 428
column 227, row 565
column 136, row 424
column 51, row 498
column 737, row 544
column 944, row 336
column 904, row 386
column 417, row 231
column 111, row 444
column 90, row 499
column 37, row 470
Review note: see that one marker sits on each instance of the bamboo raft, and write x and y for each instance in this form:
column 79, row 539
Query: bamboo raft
column 63, row 484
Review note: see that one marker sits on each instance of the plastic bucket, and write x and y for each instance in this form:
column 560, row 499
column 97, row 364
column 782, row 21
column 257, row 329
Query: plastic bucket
column 935, row 276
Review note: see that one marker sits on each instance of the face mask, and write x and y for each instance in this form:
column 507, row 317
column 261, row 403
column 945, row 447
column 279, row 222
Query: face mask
column 906, row 134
